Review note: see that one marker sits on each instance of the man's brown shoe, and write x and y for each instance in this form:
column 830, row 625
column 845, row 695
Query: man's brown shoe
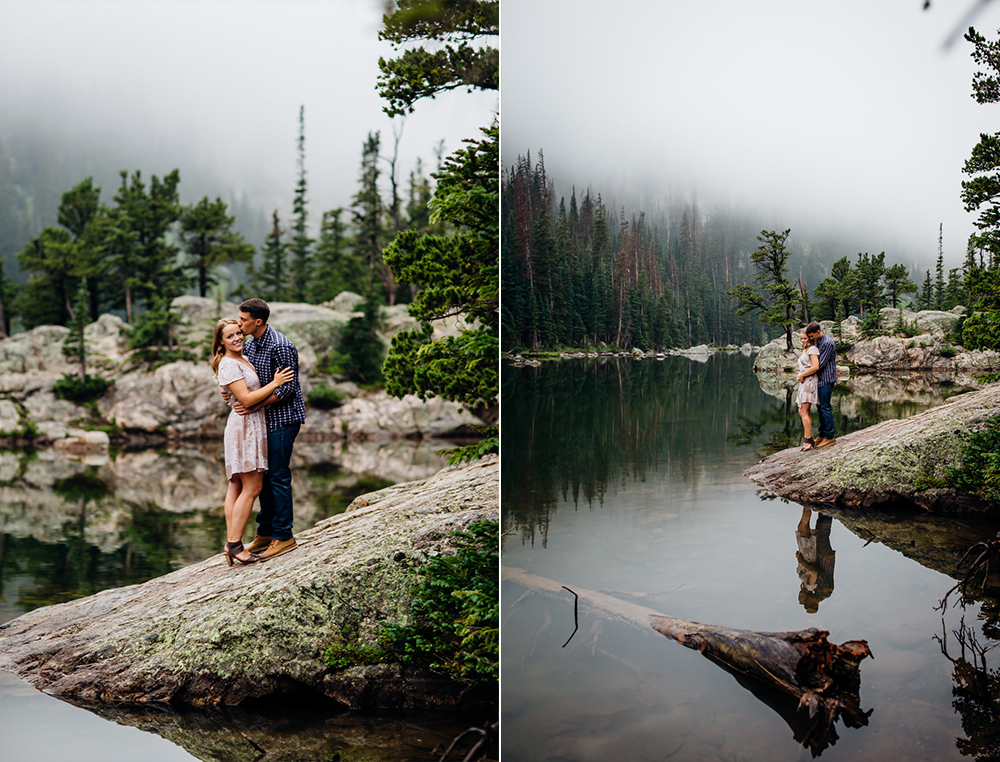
column 277, row 547
column 259, row 544
column 826, row 443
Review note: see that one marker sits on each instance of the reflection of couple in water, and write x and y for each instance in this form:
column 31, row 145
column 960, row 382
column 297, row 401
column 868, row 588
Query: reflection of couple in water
column 817, row 373
column 258, row 370
column 815, row 559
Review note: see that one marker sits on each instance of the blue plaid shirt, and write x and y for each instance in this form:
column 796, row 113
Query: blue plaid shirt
column 827, row 373
column 272, row 352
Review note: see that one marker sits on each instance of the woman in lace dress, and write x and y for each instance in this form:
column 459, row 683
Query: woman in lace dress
column 246, row 435
column 808, row 366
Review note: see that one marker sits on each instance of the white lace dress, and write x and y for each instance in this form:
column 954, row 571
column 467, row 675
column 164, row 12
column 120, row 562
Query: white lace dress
column 246, row 435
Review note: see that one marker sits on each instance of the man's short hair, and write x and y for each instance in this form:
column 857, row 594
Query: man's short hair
column 811, row 328
column 257, row 309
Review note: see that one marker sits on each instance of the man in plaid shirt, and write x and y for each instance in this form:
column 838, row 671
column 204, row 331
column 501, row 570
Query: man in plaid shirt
column 285, row 411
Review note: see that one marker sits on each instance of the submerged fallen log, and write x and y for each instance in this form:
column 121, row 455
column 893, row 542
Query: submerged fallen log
column 808, row 680
column 823, row 677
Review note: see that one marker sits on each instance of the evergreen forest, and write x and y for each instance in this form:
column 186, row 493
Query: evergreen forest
column 583, row 272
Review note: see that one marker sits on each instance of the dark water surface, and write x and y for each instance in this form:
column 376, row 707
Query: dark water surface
column 71, row 527
column 626, row 478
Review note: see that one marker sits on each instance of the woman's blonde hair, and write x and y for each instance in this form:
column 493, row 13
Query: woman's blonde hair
column 808, row 338
column 217, row 349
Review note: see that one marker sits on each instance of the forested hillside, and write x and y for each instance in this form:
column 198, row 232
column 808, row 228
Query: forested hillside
column 582, row 271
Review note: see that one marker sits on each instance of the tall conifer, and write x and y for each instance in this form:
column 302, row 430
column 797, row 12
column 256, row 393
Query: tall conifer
column 301, row 244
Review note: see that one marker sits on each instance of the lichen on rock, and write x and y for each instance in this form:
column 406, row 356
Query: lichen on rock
column 895, row 462
column 210, row 634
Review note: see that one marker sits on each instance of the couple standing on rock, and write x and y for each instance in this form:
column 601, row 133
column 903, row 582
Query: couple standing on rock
column 258, row 370
column 817, row 374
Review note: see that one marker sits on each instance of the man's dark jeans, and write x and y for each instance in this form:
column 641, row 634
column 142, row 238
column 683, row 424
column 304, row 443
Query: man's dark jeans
column 274, row 519
column 826, row 412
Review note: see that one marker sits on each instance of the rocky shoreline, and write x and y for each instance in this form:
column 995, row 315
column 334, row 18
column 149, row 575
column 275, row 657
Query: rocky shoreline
column 895, row 463
column 208, row 634
column 180, row 400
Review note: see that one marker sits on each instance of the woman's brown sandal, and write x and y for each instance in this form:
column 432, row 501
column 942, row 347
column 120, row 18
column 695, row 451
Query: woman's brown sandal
column 809, row 444
column 232, row 553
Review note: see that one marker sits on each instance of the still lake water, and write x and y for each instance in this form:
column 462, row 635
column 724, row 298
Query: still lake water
column 71, row 526
column 626, row 478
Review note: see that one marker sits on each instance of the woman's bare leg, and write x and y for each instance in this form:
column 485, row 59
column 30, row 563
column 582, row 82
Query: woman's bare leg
column 251, row 484
column 235, row 486
column 805, row 413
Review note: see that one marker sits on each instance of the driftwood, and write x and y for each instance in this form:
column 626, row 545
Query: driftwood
column 822, row 677
column 806, row 679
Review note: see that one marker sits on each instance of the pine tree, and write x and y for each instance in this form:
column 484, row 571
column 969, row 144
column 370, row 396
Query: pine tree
column 954, row 292
column 457, row 275
column 368, row 218
column 75, row 345
column 207, row 235
column 939, row 272
column 337, row 268
column 47, row 297
column 926, row 299
column 981, row 193
column 153, row 274
column 898, row 283
column 778, row 298
column 418, row 73
column 270, row 282
column 301, row 244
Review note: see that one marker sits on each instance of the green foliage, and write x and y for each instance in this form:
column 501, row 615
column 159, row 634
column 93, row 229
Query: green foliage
column 346, row 652
column 336, row 267
column 866, row 284
column 947, row 350
column 472, row 452
column 324, row 397
column 777, row 300
column 271, row 281
column 301, row 245
column 147, row 268
column 154, row 327
column 981, row 193
column 457, row 275
column 456, row 612
column 871, row 324
column 369, row 217
column 981, row 330
column 360, row 348
column 418, row 73
column 50, row 258
column 69, row 387
column 898, row 283
column 75, row 344
column 906, row 328
column 979, row 472
column 955, row 334
column 207, row 234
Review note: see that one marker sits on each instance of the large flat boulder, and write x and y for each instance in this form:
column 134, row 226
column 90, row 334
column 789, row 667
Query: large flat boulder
column 210, row 634
column 891, row 463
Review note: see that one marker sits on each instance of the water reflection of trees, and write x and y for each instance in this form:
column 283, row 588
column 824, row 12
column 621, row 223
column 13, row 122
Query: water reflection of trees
column 575, row 428
column 71, row 527
column 976, row 693
column 857, row 403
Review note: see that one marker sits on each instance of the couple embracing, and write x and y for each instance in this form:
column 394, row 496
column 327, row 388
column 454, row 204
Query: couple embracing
column 258, row 371
column 817, row 368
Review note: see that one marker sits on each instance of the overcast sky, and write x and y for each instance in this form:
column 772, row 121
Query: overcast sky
column 218, row 85
column 817, row 114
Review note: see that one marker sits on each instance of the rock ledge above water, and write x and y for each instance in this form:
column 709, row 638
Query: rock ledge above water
column 892, row 463
column 210, row 634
